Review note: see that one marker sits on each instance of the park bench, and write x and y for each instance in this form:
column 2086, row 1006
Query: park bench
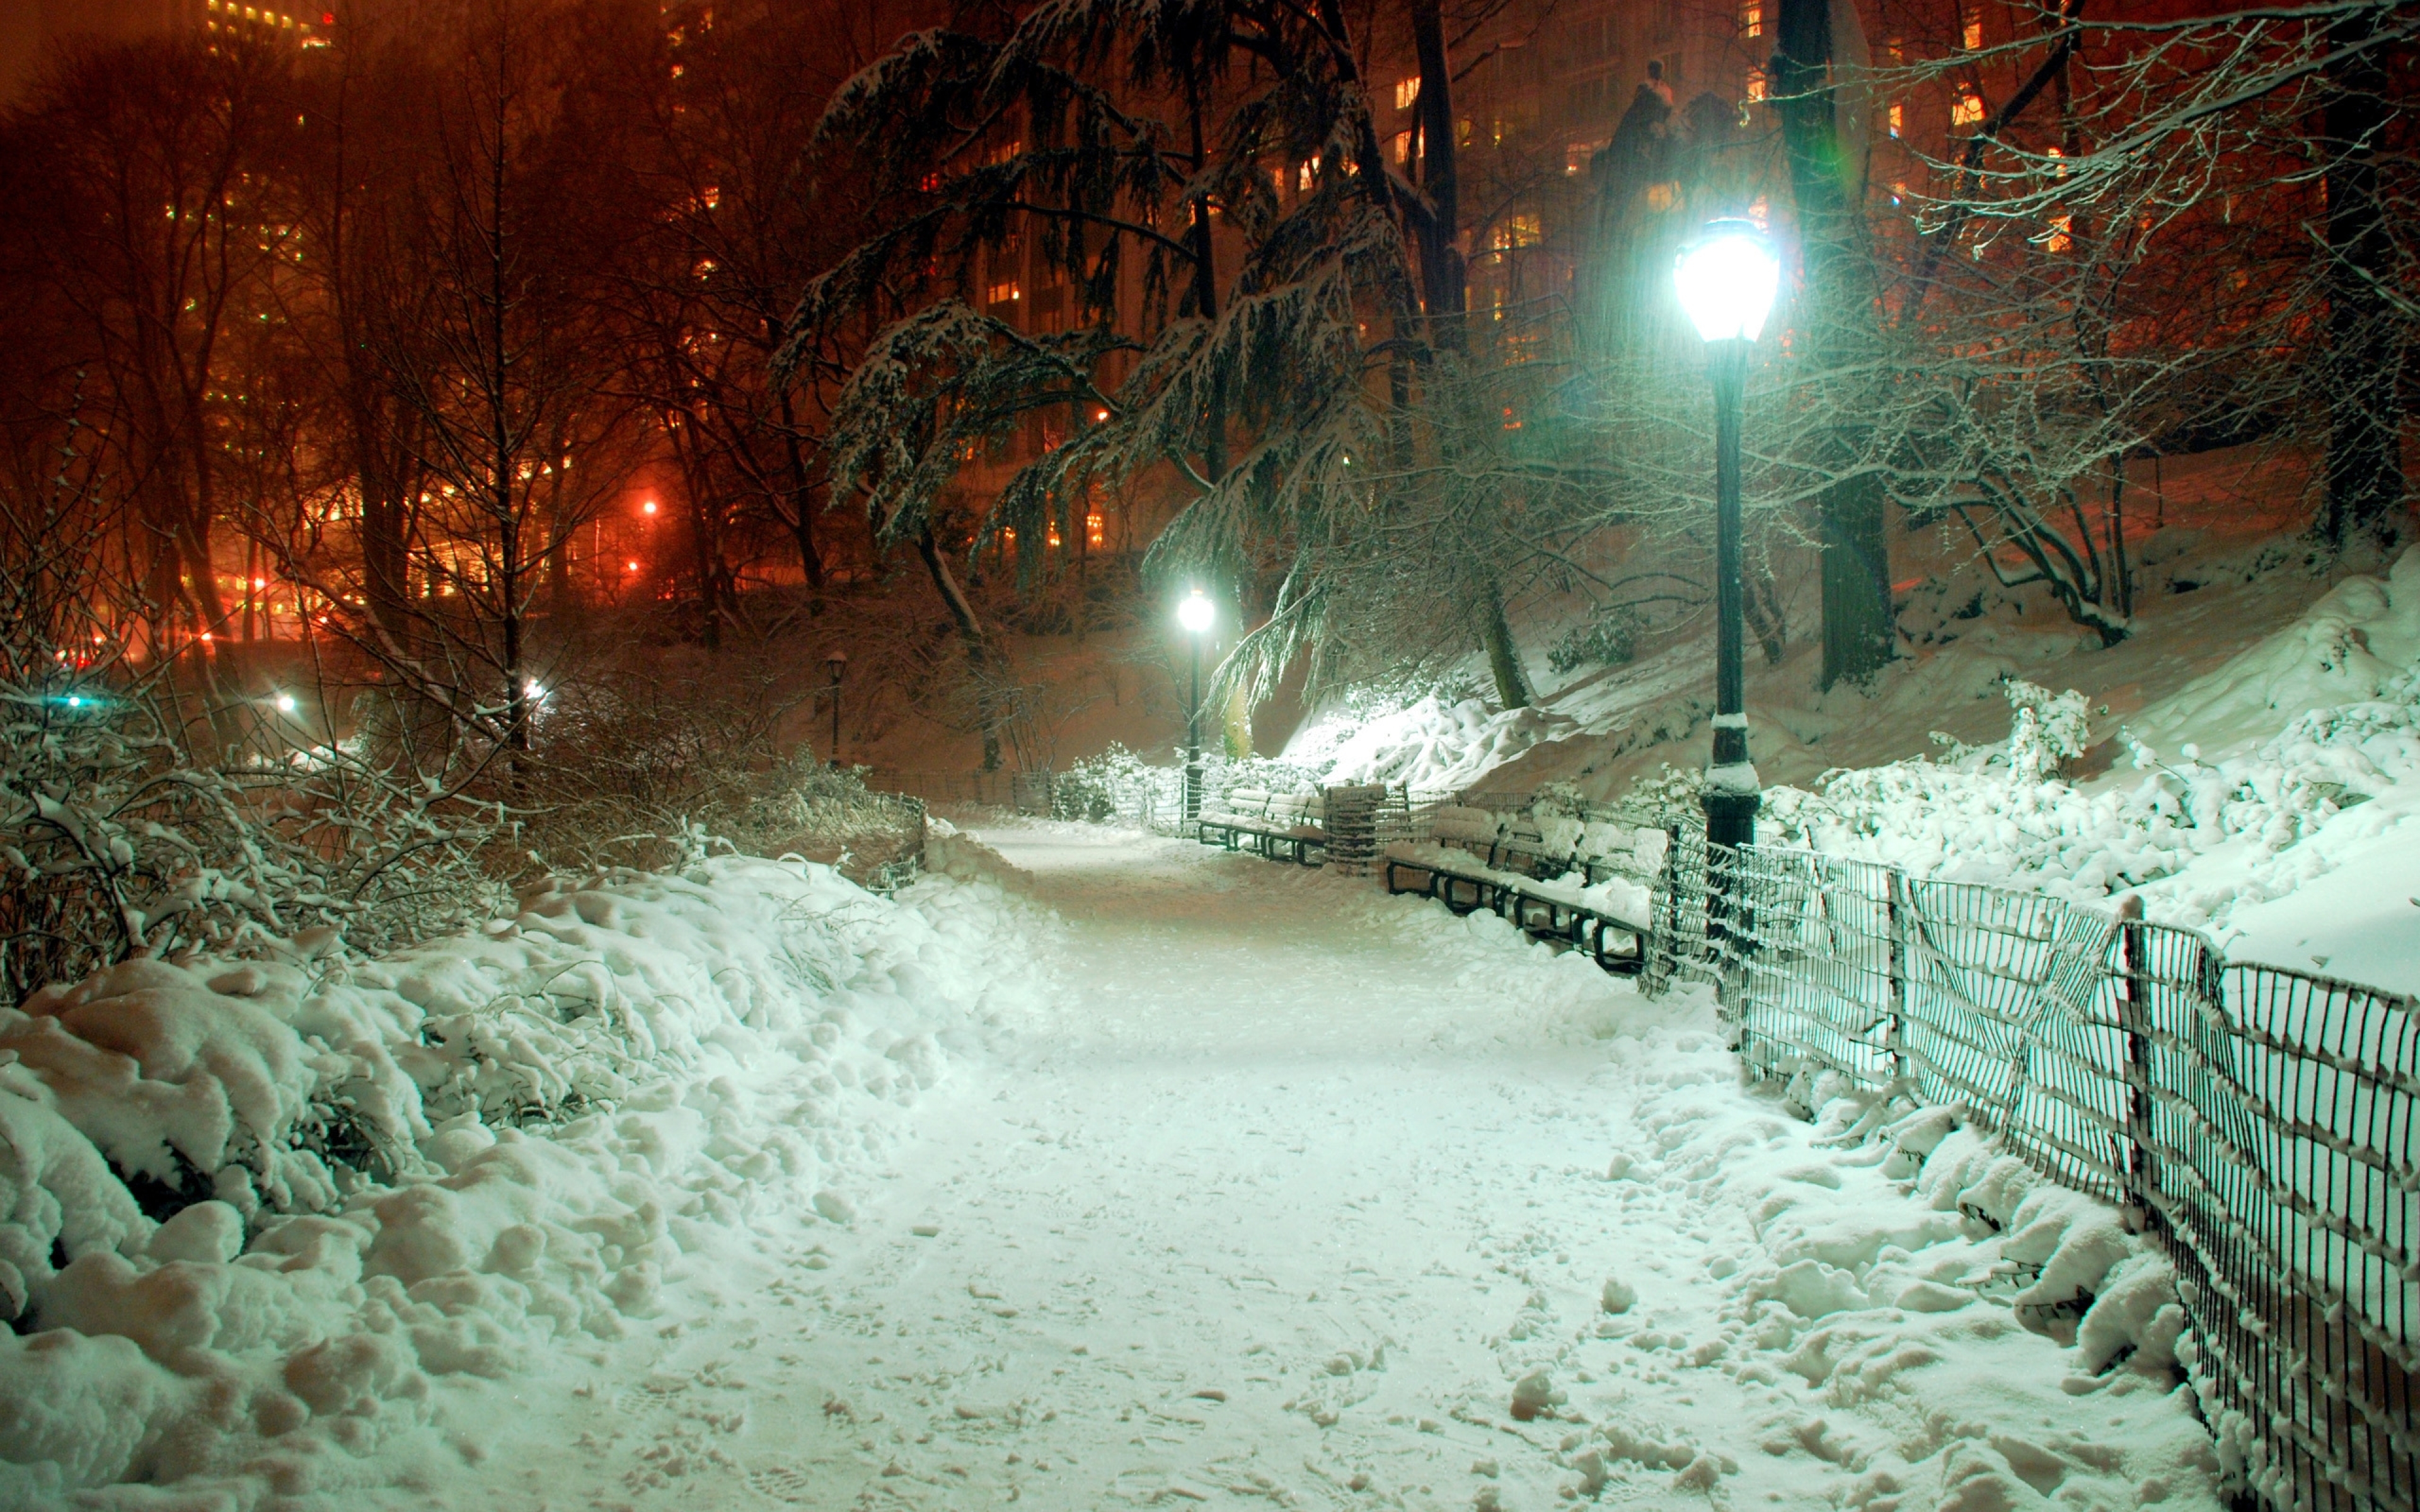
column 1555, row 877
column 1266, row 822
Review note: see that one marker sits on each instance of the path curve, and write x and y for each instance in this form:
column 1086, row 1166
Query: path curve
column 1282, row 1202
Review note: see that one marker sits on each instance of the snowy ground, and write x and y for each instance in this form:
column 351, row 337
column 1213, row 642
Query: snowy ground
column 1296, row 1196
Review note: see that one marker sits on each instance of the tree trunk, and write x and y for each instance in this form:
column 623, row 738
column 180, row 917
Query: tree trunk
column 2364, row 460
column 802, row 494
column 1443, row 273
column 1858, row 623
column 1503, row 656
column 1445, row 290
column 971, row 633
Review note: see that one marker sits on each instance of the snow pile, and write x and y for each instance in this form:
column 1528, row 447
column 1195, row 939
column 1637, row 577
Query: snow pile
column 453, row 1160
column 1432, row 744
column 1883, row 1302
column 2288, row 760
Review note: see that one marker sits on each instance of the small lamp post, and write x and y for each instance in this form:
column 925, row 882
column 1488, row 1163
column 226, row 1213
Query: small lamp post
column 835, row 664
column 1197, row 614
column 1727, row 281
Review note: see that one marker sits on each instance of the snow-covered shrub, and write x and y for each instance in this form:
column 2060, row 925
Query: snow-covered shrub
column 635, row 769
column 120, row 838
column 1978, row 814
column 2050, row 729
column 1117, row 783
column 1610, row 639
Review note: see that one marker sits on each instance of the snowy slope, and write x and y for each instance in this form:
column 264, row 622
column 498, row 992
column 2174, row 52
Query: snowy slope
column 457, row 1163
column 2274, row 800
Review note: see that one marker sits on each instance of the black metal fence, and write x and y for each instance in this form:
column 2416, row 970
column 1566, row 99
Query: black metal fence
column 2258, row 1121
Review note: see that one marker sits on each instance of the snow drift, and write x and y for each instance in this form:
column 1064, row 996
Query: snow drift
column 451, row 1160
column 2295, row 758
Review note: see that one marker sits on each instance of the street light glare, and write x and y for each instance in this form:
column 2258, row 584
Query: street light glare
column 1197, row 613
column 286, row 703
column 1727, row 281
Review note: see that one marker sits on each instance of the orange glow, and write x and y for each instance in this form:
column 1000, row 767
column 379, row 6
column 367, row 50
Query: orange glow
column 261, row 582
column 649, row 506
column 630, row 566
column 1092, row 530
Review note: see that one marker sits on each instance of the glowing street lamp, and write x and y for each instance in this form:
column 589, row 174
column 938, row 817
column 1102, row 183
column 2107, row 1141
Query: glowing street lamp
column 1197, row 614
column 1727, row 281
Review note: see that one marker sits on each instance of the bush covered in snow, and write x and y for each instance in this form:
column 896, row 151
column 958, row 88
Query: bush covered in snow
column 123, row 834
column 638, row 770
column 248, row 1209
column 2199, row 835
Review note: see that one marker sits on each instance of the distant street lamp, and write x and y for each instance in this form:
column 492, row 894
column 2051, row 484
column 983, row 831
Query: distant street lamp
column 835, row 664
column 1727, row 281
column 1197, row 614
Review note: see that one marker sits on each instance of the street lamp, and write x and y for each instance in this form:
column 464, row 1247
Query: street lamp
column 835, row 664
column 1727, row 281
column 1197, row 614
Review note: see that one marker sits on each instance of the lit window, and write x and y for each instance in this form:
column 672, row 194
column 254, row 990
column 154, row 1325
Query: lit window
column 1094, row 533
column 1575, row 158
column 2059, row 168
column 1406, row 91
column 1004, row 293
column 1751, row 18
column 1971, row 31
column 2062, row 234
column 1519, row 231
column 1306, row 175
column 1755, row 85
column 1969, row 109
column 1054, row 535
column 1403, row 146
column 1005, row 151
column 1898, row 118
column 710, row 196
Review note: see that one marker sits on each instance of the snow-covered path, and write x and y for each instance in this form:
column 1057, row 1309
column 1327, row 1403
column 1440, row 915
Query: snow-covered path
column 1281, row 1204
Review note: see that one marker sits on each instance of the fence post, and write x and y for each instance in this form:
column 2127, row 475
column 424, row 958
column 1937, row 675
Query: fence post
column 1894, row 888
column 1659, row 947
column 2134, row 1021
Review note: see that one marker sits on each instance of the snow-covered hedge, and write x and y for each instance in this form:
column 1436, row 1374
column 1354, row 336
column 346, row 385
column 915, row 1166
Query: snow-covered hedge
column 450, row 1159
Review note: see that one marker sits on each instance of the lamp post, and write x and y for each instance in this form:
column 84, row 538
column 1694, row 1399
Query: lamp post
column 835, row 664
column 1727, row 281
column 1197, row 614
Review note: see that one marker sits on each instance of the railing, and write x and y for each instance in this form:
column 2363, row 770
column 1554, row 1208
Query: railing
column 2258, row 1121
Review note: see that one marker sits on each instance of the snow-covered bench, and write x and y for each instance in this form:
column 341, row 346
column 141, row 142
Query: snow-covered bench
column 1555, row 877
column 1266, row 822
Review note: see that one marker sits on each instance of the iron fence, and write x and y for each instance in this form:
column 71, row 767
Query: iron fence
column 2258, row 1121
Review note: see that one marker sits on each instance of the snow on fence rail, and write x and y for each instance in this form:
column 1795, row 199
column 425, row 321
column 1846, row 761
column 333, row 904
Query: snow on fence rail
column 2258, row 1120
